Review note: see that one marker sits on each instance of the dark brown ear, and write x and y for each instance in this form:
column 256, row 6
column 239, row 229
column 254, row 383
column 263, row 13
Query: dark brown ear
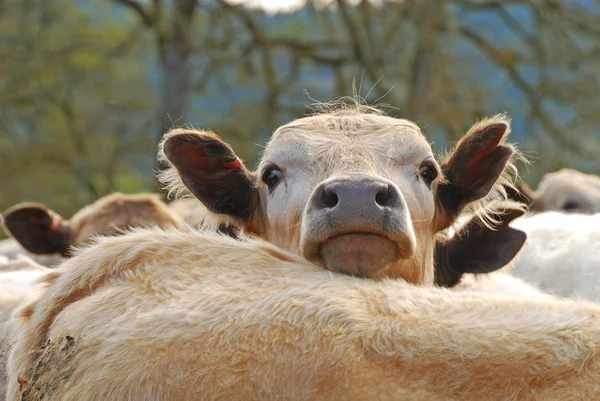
column 210, row 169
column 37, row 229
column 478, row 249
column 523, row 193
column 472, row 169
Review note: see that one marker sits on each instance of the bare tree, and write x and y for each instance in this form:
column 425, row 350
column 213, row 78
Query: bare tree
column 171, row 24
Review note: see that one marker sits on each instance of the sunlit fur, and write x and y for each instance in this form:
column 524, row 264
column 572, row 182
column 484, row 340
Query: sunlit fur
column 196, row 215
column 178, row 316
column 112, row 213
column 351, row 139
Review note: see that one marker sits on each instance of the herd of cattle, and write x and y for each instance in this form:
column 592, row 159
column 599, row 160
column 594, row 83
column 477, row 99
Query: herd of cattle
column 350, row 265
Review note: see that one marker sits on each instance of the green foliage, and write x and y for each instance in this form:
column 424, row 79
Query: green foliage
column 89, row 85
column 76, row 105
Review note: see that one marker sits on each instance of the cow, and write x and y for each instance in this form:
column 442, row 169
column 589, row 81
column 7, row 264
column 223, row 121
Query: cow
column 562, row 254
column 566, row 190
column 40, row 231
column 156, row 315
column 181, row 315
column 475, row 248
column 470, row 248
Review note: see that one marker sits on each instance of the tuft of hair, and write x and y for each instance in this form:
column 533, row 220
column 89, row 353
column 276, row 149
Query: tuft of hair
column 343, row 105
column 490, row 207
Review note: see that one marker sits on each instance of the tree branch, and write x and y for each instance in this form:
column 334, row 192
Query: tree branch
column 534, row 99
column 137, row 7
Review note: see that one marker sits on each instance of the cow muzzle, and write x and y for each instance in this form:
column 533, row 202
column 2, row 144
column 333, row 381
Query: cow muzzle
column 357, row 224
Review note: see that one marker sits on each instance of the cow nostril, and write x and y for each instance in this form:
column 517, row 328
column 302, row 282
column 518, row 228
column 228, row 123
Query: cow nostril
column 329, row 199
column 385, row 197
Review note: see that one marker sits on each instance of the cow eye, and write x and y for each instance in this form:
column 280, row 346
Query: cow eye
column 428, row 172
column 272, row 176
column 570, row 206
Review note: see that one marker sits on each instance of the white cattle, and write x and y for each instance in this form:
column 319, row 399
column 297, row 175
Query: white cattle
column 569, row 191
column 561, row 255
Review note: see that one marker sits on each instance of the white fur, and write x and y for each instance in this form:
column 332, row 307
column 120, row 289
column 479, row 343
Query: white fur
column 17, row 279
column 11, row 249
column 561, row 254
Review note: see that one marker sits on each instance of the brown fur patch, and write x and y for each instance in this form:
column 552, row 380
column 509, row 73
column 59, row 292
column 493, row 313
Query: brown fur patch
column 26, row 312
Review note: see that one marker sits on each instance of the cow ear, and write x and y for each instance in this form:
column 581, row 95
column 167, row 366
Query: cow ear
column 211, row 170
column 478, row 249
column 472, row 169
column 522, row 193
column 38, row 229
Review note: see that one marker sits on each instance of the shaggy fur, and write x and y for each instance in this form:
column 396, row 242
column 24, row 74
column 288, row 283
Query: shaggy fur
column 169, row 315
column 196, row 215
column 325, row 146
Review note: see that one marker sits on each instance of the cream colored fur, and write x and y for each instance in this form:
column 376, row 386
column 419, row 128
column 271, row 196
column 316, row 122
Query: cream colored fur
column 112, row 213
column 180, row 316
column 193, row 213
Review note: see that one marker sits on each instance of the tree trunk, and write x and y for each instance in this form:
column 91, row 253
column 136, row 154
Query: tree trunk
column 175, row 84
column 174, row 50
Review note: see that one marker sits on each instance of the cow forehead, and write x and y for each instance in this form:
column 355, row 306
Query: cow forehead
column 348, row 138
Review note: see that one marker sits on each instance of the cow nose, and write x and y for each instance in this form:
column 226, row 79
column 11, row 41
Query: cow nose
column 367, row 196
column 357, row 224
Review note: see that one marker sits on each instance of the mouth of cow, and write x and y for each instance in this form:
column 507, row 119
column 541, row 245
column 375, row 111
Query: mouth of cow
column 358, row 253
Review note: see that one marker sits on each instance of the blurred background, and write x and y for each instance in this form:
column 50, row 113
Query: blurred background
column 89, row 86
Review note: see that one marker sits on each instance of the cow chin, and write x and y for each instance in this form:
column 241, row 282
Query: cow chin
column 361, row 254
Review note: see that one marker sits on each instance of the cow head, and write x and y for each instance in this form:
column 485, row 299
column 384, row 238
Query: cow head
column 351, row 190
column 41, row 231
